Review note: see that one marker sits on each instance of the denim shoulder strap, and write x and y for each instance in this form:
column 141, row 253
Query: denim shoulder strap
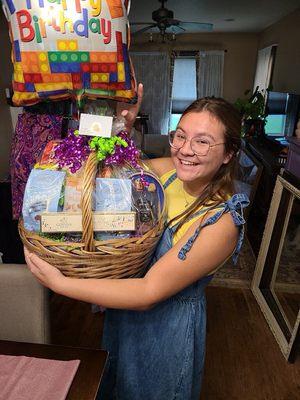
column 235, row 206
column 170, row 180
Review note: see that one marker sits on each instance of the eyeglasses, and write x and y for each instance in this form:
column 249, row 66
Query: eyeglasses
column 199, row 145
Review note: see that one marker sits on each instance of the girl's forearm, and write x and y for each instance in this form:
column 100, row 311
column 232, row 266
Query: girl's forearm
column 130, row 294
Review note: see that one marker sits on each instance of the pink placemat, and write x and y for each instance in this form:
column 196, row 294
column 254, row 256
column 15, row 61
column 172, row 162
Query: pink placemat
column 30, row 378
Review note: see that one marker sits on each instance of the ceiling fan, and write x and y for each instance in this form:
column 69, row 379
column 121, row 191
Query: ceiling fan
column 165, row 23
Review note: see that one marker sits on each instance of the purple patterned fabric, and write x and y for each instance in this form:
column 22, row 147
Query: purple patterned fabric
column 32, row 133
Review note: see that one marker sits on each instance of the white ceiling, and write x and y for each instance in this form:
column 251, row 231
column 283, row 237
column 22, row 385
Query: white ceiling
column 248, row 15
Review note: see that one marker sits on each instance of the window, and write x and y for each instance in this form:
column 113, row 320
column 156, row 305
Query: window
column 264, row 67
column 275, row 124
column 184, row 88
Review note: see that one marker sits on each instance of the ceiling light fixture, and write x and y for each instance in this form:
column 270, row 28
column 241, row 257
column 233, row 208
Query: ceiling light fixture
column 165, row 37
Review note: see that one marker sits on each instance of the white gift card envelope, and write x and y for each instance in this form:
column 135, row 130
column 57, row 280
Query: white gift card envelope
column 95, row 125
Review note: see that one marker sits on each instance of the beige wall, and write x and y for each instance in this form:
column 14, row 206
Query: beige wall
column 285, row 33
column 240, row 58
column 5, row 81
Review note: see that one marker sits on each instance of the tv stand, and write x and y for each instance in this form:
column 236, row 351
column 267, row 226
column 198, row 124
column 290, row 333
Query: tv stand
column 267, row 153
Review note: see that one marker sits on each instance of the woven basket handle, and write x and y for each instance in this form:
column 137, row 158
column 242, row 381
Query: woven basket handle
column 86, row 202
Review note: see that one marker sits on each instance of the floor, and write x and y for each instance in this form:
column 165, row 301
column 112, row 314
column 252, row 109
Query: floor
column 243, row 360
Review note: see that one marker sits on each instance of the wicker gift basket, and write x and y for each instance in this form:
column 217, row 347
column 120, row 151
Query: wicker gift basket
column 91, row 258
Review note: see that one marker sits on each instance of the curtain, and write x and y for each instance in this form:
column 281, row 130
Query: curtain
column 153, row 70
column 210, row 73
column 263, row 69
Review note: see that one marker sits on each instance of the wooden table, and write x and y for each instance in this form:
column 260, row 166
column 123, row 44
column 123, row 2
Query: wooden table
column 88, row 376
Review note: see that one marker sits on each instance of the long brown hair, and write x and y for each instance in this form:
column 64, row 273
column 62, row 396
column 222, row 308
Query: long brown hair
column 222, row 183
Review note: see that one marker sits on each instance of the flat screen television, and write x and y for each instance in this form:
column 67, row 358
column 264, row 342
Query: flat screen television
column 283, row 113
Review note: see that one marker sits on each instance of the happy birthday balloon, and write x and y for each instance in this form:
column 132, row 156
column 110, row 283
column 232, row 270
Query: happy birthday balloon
column 69, row 48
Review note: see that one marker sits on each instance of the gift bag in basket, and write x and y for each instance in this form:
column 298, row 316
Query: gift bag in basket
column 91, row 209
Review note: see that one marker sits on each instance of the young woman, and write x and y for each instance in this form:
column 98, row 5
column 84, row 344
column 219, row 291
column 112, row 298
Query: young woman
column 155, row 325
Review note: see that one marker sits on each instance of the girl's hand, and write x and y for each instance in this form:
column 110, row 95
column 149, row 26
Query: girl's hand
column 45, row 273
column 130, row 111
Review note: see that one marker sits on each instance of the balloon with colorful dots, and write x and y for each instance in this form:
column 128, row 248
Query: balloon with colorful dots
column 69, row 49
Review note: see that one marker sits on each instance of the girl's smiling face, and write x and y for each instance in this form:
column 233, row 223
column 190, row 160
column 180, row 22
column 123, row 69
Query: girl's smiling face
column 196, row 171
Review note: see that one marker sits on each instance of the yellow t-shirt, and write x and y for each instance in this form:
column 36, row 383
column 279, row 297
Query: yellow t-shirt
column 177, row 200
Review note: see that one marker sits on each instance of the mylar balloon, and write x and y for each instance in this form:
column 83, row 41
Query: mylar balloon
column 69, row 48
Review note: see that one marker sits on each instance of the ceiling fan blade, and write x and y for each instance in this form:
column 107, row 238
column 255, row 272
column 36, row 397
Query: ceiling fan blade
column 141, row 23
column 195, row 26
column 142, row 30
column 136, row 26
column 177, row 29
column 171, row 21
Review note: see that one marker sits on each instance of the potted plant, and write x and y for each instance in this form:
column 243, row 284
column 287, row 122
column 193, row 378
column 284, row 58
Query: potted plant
column 252, row 110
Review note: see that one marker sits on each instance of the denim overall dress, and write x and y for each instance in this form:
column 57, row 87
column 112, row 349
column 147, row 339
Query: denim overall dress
column 158, row 354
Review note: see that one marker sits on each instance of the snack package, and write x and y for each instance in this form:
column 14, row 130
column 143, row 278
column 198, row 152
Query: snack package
column 72, row 194
column 48, row 159
column 112, row 194
column 42, row 194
